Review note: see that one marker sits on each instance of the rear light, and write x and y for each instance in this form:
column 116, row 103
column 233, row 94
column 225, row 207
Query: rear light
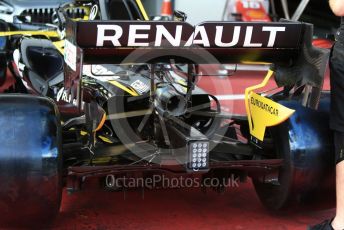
column 198, row 155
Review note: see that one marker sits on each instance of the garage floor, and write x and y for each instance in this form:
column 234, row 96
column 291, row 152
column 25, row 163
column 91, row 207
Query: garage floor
column 238, row 208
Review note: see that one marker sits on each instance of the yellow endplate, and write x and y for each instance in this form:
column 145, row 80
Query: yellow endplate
column 263, row 112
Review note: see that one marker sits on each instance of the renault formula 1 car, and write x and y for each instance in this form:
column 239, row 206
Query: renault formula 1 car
column 123, row 100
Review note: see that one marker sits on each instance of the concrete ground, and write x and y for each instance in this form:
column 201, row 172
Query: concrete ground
column 238, row 208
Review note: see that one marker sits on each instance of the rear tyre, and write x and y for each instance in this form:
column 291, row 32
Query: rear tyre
column 305, row 144
column 274, row 193
column 30, row 161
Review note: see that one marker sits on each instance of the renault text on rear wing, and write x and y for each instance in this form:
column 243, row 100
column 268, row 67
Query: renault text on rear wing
column 229, row 42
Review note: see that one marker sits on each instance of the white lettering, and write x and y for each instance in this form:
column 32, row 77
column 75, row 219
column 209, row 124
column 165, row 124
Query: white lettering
column 59, row 94
column 219, row 35
column 248, row 38
column 162, row 31
column 273, row 32
column 204, row 40
column 101, row 38
column 139, row 35
column 133, row 35
column 190, row 40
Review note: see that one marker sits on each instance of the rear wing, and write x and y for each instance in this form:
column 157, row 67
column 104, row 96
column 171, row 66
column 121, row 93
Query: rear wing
column 228, row 42
column 286, row 44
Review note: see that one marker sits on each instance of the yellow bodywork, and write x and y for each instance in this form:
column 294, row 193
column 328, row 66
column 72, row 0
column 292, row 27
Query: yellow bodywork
column 263, row 112
column 132, row 92
column 47, row 33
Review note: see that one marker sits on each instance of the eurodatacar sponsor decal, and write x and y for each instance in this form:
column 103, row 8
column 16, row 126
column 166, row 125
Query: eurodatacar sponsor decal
column 264, row 106
column 264, row 112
